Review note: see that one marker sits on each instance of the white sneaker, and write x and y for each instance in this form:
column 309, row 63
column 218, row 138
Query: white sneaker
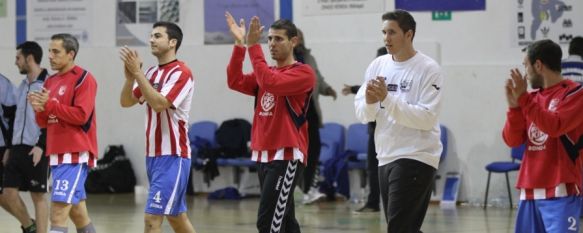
column 312, row 196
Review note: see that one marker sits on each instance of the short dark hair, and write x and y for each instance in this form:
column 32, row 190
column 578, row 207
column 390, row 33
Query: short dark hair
column 31, row 48
column 404, row 19
column 288, row 26
column 576, row 46
column 70, row 43
column 173, row 31
column 548, row 52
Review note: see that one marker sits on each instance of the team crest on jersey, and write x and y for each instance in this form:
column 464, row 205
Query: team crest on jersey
column 267, row 103
column 62, row 90
column 536, row 137
column 406, row 85
column 155, row 85
column 553, row 105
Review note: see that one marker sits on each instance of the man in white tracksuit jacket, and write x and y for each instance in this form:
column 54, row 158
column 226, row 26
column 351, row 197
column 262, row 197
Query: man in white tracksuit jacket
column 402, row 93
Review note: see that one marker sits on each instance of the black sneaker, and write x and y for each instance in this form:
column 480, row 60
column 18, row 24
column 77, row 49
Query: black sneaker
column 366, row 210
column 29, row 229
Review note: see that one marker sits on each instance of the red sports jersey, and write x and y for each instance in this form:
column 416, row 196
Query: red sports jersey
column 274, row 134
column 69, row 116
column 167, row 131
column 542, row 118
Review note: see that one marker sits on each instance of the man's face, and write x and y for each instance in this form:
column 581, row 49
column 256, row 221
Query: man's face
column 160, row 43
column 534, row 77
column 59, row 58
column 394, row 37
column 21, row 62
column 280, row 46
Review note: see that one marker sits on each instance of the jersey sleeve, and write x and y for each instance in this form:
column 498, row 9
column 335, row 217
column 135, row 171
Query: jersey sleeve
column 514, row 132
column 565, row 118
column 287, row 82
column 177, row 86
column 236, row 80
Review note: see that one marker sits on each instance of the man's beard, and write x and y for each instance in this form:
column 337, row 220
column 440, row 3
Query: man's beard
column 536, row 82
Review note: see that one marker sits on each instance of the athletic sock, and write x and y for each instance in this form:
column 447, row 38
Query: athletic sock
column 55, row 229
column 87, row 229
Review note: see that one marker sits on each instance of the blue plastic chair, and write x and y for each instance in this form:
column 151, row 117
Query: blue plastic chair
column 504, row 167
column 241, row 170
column 202, row 129
column 357, row 142
column 328, row 150
column 333, row 132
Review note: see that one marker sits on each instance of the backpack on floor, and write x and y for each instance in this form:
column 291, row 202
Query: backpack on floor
column 113, row 173
column 232, row 137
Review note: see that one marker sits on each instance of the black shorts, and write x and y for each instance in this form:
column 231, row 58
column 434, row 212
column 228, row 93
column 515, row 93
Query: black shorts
column 2, row 149
column 20, row 172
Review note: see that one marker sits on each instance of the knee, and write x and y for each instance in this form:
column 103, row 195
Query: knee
column 153, row 221
column 75, row 214
column 58, row 217
column 9, row 195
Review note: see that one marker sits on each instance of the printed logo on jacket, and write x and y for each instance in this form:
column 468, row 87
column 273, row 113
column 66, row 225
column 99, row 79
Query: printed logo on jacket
column 267, row 104
column 536, row 137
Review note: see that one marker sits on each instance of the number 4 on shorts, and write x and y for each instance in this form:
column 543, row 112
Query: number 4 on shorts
column 157, row 197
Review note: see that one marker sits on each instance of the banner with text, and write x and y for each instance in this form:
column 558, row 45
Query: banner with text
column 46, row 18
column 334, row 7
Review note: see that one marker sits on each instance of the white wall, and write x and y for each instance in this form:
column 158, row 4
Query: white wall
column 474, row 49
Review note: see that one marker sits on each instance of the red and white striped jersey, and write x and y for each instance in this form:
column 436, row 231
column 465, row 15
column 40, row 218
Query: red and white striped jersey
column 167, row 131
column 562, row 190
column 72, row 158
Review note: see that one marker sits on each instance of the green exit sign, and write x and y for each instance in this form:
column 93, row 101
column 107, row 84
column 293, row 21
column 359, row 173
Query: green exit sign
column 441, row 15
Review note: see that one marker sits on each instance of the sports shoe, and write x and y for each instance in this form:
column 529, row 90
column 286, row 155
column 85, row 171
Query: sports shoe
column 29, row 229
column 312, row 196
column 366, row 210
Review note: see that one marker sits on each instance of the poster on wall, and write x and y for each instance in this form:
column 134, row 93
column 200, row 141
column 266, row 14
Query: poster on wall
column 134, row 19
column 46, row 18
column 335, row 7
column 215, row 28
column 441, row 5
column 558, row 20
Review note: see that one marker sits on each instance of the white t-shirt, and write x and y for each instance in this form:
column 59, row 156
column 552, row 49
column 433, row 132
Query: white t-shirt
column 407, row 119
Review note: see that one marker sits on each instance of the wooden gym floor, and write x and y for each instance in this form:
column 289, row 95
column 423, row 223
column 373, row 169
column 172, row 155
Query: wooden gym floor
column 124, row 213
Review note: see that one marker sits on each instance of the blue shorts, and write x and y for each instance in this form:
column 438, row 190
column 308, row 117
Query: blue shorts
column 69, row 183
column 168, row 176
column 557, row 215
